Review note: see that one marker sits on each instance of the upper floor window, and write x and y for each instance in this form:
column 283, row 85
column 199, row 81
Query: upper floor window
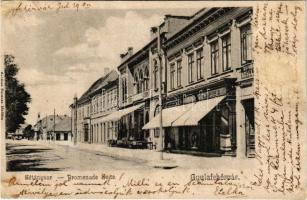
column 141, row 83
column 246, row 44
column 199, row 63
column 214, row 57
column 172, row 76
column 179, row 72
column 146, row 78
column 155, row 74
column 103, row 101
column 190, row 67
column 226, row 45
column 136, row 83
column 124, row 89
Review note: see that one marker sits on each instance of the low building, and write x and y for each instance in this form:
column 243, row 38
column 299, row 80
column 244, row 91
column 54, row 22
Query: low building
column 61, row 130
column 52, row 127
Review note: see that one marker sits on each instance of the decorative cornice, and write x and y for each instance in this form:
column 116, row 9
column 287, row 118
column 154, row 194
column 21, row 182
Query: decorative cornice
column 198, row 25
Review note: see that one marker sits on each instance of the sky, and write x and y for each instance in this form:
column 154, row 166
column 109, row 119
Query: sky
column 61, row 54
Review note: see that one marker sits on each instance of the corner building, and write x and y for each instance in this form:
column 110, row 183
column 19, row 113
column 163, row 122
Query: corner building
column 208, row 104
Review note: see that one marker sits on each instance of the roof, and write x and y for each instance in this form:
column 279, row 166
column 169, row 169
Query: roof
column 102, row 82
column 63, row 126
column 48, row 121
column 188, row 19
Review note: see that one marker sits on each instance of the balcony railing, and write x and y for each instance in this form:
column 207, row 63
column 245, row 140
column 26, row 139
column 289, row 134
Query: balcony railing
column 247, row 71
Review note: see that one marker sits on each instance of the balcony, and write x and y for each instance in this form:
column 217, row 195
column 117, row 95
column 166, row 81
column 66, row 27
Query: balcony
column 137, row 97
column 247, row 71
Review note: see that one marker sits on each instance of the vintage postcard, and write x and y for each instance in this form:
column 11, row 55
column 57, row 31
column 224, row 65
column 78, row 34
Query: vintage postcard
column 153, row 99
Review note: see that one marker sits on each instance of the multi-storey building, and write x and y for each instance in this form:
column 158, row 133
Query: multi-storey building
column 202, row 67
column 139, row 85
column 91, row 109
column 209, row 106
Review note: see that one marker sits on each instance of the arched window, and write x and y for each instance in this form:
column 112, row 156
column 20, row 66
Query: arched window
column 141, row 76
column 155, row 74
column 146, row 78
column 136, row 83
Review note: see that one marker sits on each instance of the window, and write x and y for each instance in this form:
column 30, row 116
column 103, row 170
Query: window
column 172, row 73
column 246, row 44
column 214, row 57
column 141, row 84
column 179, row 68
column 155, row 74
column 199, row 63
column 103, row 101
column 124, row 90
column 226, row 45
column 146, row 78
column 136, row 83
column 190, row 67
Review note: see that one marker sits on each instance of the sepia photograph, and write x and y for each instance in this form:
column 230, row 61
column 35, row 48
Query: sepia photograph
column 152, row 99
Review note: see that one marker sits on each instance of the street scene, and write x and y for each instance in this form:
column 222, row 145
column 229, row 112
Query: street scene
column 174, row 92
column 27, row 156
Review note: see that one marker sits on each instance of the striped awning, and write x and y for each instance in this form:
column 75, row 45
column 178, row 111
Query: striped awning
column 115, row 116
column 185, row 115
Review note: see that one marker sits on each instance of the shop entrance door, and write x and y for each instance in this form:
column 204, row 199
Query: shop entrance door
column 211, row 135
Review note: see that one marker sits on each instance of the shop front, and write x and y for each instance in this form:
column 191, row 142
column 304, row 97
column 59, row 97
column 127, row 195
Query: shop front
column 203, row 124
column 127, row 126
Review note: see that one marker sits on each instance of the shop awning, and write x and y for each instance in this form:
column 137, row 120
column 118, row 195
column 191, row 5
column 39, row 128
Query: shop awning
column 169, row 115
column 198, row 111
column 115, row 116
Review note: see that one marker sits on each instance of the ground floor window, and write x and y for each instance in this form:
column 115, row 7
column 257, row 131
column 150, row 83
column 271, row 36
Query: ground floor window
column 249, row 127
column 58, row 136
column 86, row 133
column 65, row 136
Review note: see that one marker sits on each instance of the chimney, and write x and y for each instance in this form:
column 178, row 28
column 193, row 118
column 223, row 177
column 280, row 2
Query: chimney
column 130, row 51
column 106, row 70
column 153, row 32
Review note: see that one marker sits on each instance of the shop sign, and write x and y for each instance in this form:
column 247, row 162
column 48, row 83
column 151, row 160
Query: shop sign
column 211, row 94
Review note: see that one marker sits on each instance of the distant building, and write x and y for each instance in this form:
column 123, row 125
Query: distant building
column 90, row 111
column 53, row 127
column 61, row 130
column 19, row 132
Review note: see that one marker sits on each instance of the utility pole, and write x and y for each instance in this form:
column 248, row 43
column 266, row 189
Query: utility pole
column 75, row 120
column 160, row 90
column 54, row 124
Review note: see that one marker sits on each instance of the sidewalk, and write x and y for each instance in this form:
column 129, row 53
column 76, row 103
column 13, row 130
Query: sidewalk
column 181, row 160
column 151, row 157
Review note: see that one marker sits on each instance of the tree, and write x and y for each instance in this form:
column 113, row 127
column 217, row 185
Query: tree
column 16, row 97
column 28, row 132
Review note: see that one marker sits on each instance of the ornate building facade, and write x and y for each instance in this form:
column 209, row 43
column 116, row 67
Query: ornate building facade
column 202, row 67
column 209, row 70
